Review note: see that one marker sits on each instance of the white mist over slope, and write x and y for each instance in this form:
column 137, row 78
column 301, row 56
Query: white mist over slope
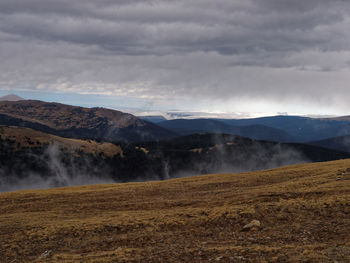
column 59, row 175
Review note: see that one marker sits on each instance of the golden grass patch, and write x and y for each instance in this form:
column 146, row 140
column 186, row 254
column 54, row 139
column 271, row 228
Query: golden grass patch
column 304, row 211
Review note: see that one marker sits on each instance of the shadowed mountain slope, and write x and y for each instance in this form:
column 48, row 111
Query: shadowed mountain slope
column 71, row 121
column 341, row 118
column 33, row 159
column 153, row 119
column 256, row 131
column 302, row 129
column 341, row 143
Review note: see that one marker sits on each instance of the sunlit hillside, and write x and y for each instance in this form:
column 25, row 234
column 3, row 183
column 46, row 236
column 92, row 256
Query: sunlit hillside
column 29, row 138
column 291, row 214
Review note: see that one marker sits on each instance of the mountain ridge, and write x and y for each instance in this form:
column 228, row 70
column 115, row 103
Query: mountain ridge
column 254, row 131
column 30, row 158
column 302, row 129
column 73, row 121
column 341, row 143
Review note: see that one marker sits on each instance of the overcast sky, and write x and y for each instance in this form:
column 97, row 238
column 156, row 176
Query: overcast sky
column 251, row 56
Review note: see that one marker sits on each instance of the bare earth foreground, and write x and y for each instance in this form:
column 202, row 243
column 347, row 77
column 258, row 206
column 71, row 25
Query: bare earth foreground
column 304, row 214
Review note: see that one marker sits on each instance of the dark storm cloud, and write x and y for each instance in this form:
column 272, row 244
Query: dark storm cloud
column 168, row 27
column 169, row 47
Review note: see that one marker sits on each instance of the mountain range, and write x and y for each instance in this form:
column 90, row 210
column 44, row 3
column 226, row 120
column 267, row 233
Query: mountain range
column 301, row 129
column 116, row 126
column 34, row 159
column 57, row 144
column 298, row 129
column 213, row 218
column 254, row 131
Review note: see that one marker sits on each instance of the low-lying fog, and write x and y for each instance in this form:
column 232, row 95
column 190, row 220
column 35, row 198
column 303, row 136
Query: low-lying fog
column 58, row 172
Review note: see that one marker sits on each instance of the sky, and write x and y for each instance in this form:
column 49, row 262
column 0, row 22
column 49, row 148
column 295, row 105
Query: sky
column 230, row 57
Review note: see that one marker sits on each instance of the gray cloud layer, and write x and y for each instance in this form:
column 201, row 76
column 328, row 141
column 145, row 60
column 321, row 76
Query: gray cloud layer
column 223, row 49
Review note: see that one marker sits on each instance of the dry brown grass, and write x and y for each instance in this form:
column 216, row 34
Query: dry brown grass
column 304, row 213
column 25, row 137
column 60, row 116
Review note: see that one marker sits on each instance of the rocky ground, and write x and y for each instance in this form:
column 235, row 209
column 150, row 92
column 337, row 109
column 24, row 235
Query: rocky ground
column 292, row 214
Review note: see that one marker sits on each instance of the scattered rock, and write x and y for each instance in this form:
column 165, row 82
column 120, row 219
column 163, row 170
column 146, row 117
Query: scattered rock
column 254, row 224
column 219, row 258
column 45, row 254
column 239, row 257
column 343, row 173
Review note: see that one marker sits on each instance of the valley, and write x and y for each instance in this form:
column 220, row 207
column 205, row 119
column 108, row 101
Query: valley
column 34, row 159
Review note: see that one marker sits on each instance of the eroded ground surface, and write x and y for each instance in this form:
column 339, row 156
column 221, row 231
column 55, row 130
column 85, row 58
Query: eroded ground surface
column 303, row 211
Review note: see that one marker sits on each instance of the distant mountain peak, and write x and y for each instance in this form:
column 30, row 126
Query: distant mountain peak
column 11, row 97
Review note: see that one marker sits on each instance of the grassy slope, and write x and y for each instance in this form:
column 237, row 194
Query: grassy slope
column 61, row 116
column 78, row 122
column 25, row 137
column 304, row 211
